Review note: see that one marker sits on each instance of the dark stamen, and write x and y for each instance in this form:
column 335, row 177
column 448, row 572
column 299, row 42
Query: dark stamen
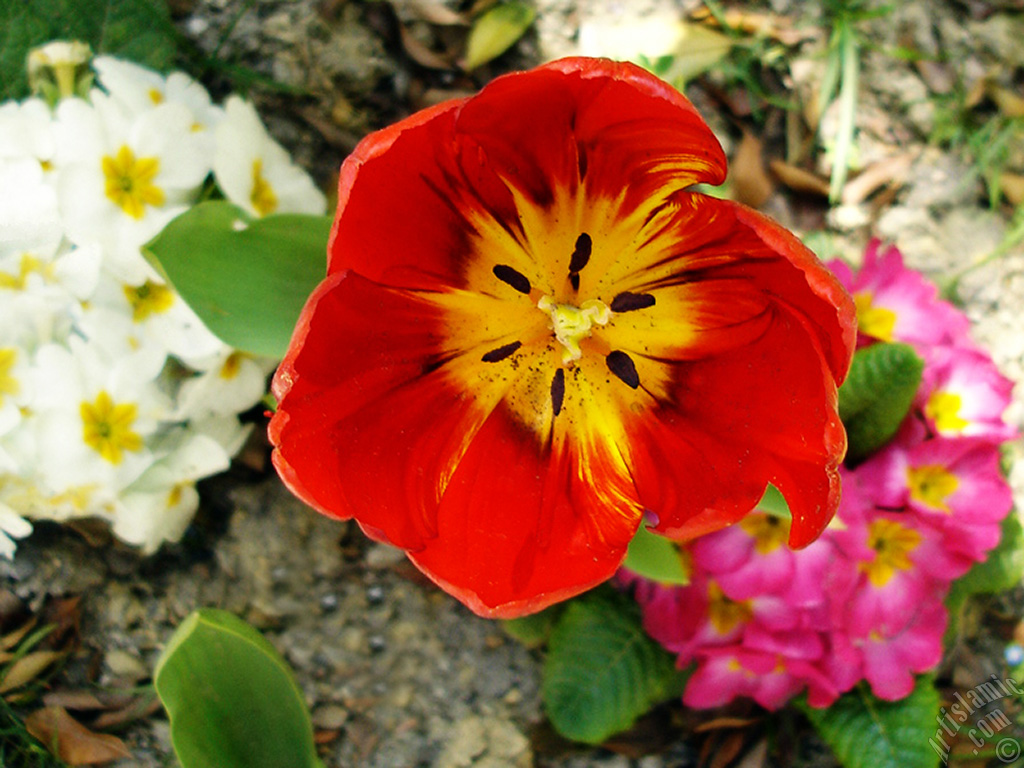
column 501, row 352
column 622, row 366
column 627, row 302
column 581, row 255
column 558, row 391
column 512, row 277
column 574, row 280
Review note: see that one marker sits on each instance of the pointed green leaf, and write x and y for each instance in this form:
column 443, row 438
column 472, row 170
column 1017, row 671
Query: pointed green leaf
column 495, row 31
column 866, row 732
column 246, row 279
column 655, row 557
column 140, row 30
column 602, row 670
column 231, row 698
column 877, row 395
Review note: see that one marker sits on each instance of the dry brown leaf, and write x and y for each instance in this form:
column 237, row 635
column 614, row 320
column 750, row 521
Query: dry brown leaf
column 750, row 182
column 71, row 741
column 888, row 170
column 730, row 748
column 799, row 179
column 139, row 708
column 28, row 668
column 435, row 12
column 720, row 723
column 1012, row 187
column 1009, row 103
column 11, row 639
column 756, row 757
column 420, row 53
column 80, row 700
column 771, row 25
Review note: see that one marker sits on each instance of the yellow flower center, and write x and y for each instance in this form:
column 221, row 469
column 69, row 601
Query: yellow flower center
column 892, row 543
column 262, row 196
column 943, row 408
column 129, row 181
column 572, row 324
column 932, row 485
column 8, row 384
column 769, row 532
column 29, row 265
column 232, row 366
column 725, row 613
column 155, row 96
column 878, row 322
column 107, row 427
column 148, row 299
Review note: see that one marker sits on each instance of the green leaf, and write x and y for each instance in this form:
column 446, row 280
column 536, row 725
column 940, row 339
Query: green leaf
column 877, row 395
column 140, row 30
column 231, row 698
column 495, row 31
column 866, row 732
column 246, row 279
column 533, row 630
column 602, row 671
column 1001, row 570
column 655, row 557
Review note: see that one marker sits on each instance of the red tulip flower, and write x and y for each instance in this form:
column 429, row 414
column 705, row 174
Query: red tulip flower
column 532, row 336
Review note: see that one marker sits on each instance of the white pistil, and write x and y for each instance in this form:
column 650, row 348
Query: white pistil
column 573, row 324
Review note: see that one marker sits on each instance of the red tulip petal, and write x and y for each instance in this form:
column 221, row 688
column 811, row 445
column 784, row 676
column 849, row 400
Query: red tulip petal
column 415, row 199
column 523, row 525
column 763, row 413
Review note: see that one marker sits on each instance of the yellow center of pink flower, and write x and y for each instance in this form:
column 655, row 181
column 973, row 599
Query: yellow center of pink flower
column 892, row 543
column 725, row 613
column 769, row 532
column 932, row 485
column 943, row 408
column 871, row 320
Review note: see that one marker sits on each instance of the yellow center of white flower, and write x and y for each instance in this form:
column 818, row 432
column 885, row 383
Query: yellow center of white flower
column 943, row 408
column 262, row 196
column 932, row 484
column 129, row 181
column 871, row 320
column 107, row 427
column 29, row 265
column 8, row 384
column 573, row 324
column 892, row 543
column 148, row 299
column 229, row 370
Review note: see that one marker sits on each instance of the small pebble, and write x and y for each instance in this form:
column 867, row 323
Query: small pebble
column 375, row 594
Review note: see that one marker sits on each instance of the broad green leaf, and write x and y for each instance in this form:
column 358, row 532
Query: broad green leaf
column 246, row 279
column 657, row 558
column 140, row 30
column 231, row 698
column 533, row 630
column 877, row 395
column 866, row 732
column 495, row 31
column 774, row 503
column 602, row 670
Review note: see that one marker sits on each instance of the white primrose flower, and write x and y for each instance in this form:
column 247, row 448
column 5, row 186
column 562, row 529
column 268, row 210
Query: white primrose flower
column 42, row 278
column 228, row 431
column 150, row 318
column 93, row 418
column 26, row 131
column 139, row 89
column 123, row 177
column 227, row 383
column 255, row 172
column 160, row 504
column 12, row 526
